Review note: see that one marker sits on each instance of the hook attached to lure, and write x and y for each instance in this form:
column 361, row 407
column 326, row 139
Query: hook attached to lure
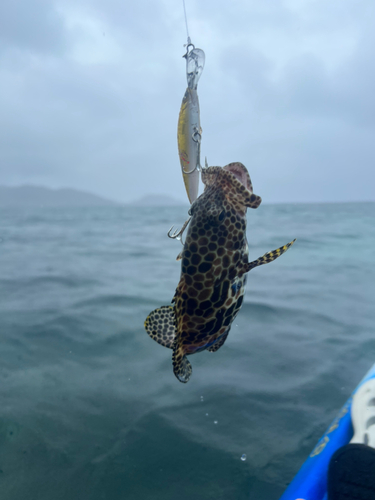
column 189, row 131
column 177, row 234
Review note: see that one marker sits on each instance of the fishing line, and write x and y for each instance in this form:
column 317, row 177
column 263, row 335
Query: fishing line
column 187, row 29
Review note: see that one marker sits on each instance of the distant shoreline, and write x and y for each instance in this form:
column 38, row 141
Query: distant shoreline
column 39, row 196
column 42, row 197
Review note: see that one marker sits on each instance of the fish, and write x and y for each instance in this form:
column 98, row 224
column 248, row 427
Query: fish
column 189, row 131
column 214, row 267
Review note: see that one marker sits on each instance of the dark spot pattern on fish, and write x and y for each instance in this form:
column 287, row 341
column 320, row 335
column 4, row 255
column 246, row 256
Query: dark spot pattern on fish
column 214, row 263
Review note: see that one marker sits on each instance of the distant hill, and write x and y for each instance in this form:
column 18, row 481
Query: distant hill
column 157, row 200
column 36, row 196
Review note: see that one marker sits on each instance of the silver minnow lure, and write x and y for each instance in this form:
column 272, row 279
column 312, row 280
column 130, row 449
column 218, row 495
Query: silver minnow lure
column 189, row 130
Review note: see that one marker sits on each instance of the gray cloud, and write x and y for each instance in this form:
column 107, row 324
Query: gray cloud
column 31, row 26
column 90, row 95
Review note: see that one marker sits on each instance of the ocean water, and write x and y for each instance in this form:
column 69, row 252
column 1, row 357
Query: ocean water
column 89, row 405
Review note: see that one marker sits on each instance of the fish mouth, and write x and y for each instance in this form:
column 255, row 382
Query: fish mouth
column 240, row 172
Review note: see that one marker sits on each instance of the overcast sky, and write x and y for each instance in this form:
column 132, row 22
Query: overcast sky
column 90, row 93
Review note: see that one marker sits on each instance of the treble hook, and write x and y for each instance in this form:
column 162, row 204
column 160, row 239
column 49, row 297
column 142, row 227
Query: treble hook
column 190, row 171
column 177, row 235
column 196, row 137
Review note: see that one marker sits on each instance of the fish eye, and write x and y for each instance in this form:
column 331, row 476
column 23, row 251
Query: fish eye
column 222, row 215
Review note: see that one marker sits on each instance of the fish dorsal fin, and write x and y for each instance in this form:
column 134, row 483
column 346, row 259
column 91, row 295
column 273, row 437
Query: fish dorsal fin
column 267, row 257
column 219, row 343
column 160, row 325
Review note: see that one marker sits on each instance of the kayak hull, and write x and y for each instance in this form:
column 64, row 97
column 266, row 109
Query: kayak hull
column 310, row 483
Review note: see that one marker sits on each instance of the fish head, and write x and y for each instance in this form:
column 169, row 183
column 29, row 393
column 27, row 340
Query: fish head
column 232, row 184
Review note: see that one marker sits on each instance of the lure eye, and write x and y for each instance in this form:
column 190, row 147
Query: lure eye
column 222, row 215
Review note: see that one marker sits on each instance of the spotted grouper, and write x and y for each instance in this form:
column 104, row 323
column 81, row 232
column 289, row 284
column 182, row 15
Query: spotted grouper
column 215, row 260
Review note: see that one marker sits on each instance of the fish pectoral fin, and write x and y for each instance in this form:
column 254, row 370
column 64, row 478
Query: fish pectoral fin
column 267, row 257
column 219, row 343
column 160, row 325
column 181, row 365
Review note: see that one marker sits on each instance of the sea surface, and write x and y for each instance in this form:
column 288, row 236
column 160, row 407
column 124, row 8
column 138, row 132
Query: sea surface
column 89, row 406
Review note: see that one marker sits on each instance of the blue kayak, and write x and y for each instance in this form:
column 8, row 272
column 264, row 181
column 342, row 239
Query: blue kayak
column 310, row 483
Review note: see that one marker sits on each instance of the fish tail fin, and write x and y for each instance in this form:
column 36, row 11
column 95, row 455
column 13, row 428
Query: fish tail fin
column 160, row 325
column 181, row 365
column 268, row 257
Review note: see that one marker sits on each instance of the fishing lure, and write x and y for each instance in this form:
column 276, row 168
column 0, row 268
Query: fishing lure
column 189, row 132
column 214, row 263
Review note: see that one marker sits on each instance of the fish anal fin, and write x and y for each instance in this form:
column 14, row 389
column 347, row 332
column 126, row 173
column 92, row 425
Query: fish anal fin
column 267, row 257
column 219, row 343
column 160, row 325
column 181, row 365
